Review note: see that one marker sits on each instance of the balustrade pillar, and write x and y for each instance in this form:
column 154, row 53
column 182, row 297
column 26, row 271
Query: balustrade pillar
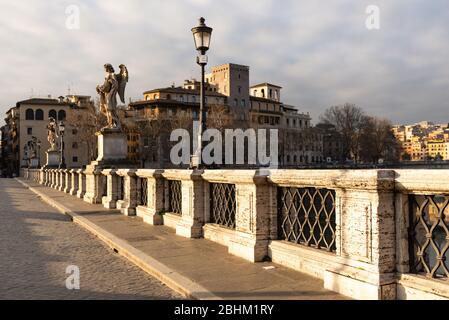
column 74, row 182
column 81, row 184
column 68, row 180
column 151, row 196
column 95, row 185
column 128, row 203
column 109, row 201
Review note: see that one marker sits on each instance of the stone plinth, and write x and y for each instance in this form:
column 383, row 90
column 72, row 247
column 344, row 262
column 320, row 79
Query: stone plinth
column 34, row 163
column 53, row 159
column 112, row 145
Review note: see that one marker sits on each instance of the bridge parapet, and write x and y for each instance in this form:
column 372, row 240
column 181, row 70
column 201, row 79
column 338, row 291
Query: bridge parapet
column 369, row 234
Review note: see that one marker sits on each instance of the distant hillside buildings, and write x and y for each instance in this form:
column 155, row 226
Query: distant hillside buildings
column 423, row 141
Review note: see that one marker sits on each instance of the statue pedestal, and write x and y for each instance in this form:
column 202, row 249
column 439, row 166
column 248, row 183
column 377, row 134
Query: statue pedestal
column 34, row 163
column 53, row 159
column 112, row 153
column 112, row 145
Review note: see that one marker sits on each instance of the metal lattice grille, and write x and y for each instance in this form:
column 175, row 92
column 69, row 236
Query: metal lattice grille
column 307, row 216
column 143, row 192
column 174, row 197
column 121, row 190
column 104, row 182
column 429, row 235
column 222, row 204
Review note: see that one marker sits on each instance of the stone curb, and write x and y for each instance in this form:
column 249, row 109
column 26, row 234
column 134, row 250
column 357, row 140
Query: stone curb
column 166, row 275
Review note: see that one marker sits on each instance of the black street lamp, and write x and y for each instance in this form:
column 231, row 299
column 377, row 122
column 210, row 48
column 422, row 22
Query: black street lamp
column 38, row 143
column 61, row 127
column 201, row 36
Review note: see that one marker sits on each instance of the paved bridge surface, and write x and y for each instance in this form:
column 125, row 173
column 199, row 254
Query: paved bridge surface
column 39, row 243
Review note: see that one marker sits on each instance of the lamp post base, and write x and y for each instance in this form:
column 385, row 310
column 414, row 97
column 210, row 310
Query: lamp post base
column 194, row 162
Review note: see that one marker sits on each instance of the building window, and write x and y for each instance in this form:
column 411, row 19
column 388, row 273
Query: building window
column 263, row 93
column 75, row 159
column 168, row 96
column 29, row 131
column 288, row 122
column 74, row 132
column 236, row 102
column 271, row 93
column 52, row 114
column 61, row 115
column 39, row 114
column 74, row 145
column 29, row 114
column 240, row 88
column 243, row 103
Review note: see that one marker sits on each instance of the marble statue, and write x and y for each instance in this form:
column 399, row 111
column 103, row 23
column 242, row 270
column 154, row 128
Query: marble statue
column 113, row 84
column 51, row 135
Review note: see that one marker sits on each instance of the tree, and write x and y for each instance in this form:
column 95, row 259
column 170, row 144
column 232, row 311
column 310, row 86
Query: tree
column 88, row 120
column 348, row 120
column 377, row 140
column 364, row 138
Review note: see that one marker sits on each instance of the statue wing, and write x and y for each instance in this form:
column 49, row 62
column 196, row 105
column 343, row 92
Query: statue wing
column 122, row 79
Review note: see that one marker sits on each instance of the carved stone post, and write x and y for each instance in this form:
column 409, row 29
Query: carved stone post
column 62, row 175
column 151, row 211
column 109, row 201
column 68, row 180
column 192, row 192
column 74, row 182
column 95, row 185
column 81, row 184
column 128, row 204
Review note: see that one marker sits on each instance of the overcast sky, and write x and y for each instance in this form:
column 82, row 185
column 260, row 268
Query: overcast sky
column 320, row 52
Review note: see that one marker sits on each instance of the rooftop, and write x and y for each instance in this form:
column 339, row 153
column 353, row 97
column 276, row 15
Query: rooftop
column 265, row 84
column 185, row 91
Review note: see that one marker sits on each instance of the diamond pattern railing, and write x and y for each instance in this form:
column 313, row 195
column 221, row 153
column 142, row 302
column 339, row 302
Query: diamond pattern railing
column 429, row 235
column 174, row 197
column 222, row 204
column 121, row 188
column 306, row 216
column 143, row 201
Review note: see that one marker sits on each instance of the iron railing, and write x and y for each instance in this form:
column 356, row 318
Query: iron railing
column 306, row 216
column 222, row 204
column 104, row 181
column 429, row 235
column 174, row 197
column 121, row 190
column 143, row 201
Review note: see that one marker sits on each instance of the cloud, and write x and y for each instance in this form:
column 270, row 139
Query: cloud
column 319, row 51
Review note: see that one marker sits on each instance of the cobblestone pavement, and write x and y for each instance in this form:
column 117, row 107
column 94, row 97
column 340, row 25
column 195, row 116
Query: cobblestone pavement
column 37, row 244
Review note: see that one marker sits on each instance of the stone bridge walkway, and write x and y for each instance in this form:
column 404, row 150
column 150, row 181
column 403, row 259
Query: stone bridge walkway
column 197, row 268
column 38, row 243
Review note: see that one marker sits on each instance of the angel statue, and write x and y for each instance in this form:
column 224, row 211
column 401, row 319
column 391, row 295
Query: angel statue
column 51, row 135
column 113, row 84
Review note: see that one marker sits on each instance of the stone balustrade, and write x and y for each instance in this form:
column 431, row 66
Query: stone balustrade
column 368, row 234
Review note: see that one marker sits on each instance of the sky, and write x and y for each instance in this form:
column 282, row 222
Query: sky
column 321, row 52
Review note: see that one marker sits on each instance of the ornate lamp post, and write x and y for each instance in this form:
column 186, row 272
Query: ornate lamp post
column 38, row 144
column 201, row 35
column 61, row 127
